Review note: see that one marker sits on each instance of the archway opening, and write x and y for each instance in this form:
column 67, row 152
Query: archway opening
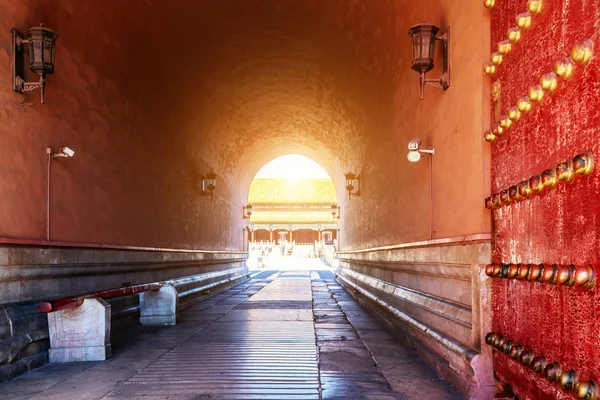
column 292, row 212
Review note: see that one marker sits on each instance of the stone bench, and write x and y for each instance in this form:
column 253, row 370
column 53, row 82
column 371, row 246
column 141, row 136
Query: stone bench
column 79, row 326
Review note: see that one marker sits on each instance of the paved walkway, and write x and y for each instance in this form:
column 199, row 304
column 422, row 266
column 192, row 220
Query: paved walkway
column 281, row 335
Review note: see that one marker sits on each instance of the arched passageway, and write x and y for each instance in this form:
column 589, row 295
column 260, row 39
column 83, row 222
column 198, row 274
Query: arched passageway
column 155, row 96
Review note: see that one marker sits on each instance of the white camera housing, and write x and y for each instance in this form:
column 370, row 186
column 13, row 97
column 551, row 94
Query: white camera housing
column 414, row 144
column 67, row 152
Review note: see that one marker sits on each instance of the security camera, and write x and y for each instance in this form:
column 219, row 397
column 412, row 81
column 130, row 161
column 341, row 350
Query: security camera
column 67, row 152
column 414, row 154
column 63, row 152
column 414, row 144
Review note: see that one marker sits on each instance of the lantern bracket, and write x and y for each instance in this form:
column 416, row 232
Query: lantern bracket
column 442, row 82
column 18, row 82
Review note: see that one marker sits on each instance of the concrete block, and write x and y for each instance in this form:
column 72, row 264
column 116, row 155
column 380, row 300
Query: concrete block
column 159, row 307
column 81, row 333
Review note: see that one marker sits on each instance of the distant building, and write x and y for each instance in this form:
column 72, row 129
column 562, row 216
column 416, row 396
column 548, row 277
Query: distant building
column 300, row 211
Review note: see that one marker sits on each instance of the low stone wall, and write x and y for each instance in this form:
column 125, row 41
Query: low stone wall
column 434, row 295
column 32, row 274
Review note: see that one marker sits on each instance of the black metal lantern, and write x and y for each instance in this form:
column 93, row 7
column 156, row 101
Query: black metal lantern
column 423, row 46
column 423, row 37
column 209, row 183
column 350, row 187
column 41, row 42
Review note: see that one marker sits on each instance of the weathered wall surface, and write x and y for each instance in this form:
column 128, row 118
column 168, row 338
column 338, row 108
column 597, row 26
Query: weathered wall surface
column 125, row 185
column 209, row 89
column 560, row 226
column 395, row 202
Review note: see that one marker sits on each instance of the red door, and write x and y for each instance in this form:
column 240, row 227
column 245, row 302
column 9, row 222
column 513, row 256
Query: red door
column 551, row 313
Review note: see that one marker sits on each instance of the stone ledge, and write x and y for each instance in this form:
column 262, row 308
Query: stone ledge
column 449, row 271
column 443, row 344
column 444, row 251
column 53, row 273
column 455, row 362
column 10, row 348
column 452, row 319
column 22, row 366
column 476, row 238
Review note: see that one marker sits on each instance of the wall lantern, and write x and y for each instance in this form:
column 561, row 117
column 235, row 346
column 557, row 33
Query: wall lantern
column 423, row 37
column 414, row 153
column 247, row 211
column 41, row 41
column 335, row 211
column 209, row 183
column 351, row 186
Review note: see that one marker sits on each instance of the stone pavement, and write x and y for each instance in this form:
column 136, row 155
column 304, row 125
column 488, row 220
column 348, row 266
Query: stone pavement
column 280, row 335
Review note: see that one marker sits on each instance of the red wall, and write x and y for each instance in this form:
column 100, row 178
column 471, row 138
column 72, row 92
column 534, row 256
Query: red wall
column 131, row 181
column 151, row 94
column 561, row 226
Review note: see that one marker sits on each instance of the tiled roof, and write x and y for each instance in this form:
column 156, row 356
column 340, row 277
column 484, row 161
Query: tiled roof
column 282, row 191
column 273, row 191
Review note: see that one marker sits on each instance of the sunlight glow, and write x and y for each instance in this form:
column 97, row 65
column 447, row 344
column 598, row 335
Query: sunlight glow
column 292, row 167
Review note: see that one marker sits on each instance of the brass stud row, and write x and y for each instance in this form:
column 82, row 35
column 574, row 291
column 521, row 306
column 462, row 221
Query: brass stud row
column 565, row 172
column 567, row 275
column 534, row 7
column 580, row 54
column 568, row 380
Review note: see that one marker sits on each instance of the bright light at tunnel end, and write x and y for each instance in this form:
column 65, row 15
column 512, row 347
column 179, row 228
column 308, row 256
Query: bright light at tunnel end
column 292, row 167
